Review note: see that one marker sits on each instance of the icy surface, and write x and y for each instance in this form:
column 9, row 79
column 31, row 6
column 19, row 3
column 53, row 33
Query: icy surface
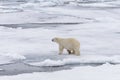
column 6, row 58
column 78, row 60
column 27, row 27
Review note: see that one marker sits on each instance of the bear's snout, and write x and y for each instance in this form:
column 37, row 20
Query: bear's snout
column 52, row 40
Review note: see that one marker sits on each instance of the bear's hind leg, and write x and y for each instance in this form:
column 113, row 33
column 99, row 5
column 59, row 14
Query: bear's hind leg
column 77, row 52
column 69, row 51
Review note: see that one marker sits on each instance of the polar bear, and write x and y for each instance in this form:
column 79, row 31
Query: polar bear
column 70, row 44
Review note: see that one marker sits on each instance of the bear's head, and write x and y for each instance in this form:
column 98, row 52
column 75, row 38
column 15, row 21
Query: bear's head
column 56, row 39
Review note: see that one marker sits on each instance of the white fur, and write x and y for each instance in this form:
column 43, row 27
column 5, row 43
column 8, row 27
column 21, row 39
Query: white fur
column 70, row 44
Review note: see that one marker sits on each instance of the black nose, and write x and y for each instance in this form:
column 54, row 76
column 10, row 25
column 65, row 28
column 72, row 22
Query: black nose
column 52, row 40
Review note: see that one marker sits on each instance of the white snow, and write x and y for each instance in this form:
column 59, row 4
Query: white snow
column 97, row 39
column 13, row 55
column 39, row 17
column 4, row 60
column 99, row 35
column 49, row 63
column 9, row 57
column 73, row 60
column 103, row 72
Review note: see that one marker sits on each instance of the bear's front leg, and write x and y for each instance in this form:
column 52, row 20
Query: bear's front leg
column 60, row 50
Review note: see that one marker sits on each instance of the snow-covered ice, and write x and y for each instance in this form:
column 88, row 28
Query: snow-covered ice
column 27, row 27
column 87, row 59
